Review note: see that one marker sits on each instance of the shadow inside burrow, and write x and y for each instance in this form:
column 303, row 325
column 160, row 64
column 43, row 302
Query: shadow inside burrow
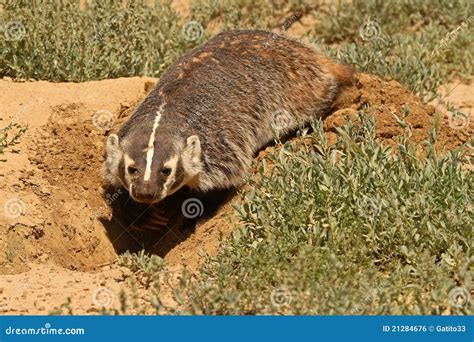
column 158, row 228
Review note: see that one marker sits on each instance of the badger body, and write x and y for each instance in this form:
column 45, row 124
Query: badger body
column 214, row 108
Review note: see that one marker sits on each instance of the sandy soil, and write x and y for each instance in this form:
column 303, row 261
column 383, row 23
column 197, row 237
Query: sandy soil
column 58, row 236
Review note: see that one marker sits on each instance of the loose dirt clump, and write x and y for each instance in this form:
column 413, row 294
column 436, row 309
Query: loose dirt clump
column 65, row 227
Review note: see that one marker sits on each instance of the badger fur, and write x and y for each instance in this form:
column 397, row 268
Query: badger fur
column 214, row 108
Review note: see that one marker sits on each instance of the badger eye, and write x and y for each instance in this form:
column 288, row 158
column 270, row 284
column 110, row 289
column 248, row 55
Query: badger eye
column 166, row 171
column 131, row 170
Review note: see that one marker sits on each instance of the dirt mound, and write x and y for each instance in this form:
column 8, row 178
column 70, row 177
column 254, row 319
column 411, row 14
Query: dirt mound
column 56, row 212
column 389, row 99
column 52, row 198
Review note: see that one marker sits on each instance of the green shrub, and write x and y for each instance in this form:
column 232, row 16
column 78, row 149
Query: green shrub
column 435, row 35
column 61, row 42
column 105, row 40
column 399, row 58
column 341, row 21
column 247, row 14
column 142, row 265
column 356, row 228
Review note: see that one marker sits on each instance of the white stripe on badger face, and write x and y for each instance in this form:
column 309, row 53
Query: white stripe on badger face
column 151, row 146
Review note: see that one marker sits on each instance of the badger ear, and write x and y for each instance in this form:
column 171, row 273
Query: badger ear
column 112, row 148
column 112, row 141
column 113, row 156
column 192, row 160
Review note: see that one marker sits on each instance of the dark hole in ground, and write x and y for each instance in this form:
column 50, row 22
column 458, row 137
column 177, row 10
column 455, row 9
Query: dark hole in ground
column 136, row 226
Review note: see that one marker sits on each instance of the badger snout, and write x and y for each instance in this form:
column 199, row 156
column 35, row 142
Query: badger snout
column 145, row 194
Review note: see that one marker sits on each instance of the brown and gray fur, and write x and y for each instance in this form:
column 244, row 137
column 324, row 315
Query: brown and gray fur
column 215, row 107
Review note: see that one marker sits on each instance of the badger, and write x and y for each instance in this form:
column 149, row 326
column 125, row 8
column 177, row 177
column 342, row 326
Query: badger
column 215, row 108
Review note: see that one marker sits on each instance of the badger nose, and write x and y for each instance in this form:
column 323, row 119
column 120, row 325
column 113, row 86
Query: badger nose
column 144, row 196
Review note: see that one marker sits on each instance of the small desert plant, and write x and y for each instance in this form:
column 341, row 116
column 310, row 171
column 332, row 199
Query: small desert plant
column 10, row 135
column 143, row 266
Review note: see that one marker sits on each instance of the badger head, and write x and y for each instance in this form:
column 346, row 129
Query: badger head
column 154, row 169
